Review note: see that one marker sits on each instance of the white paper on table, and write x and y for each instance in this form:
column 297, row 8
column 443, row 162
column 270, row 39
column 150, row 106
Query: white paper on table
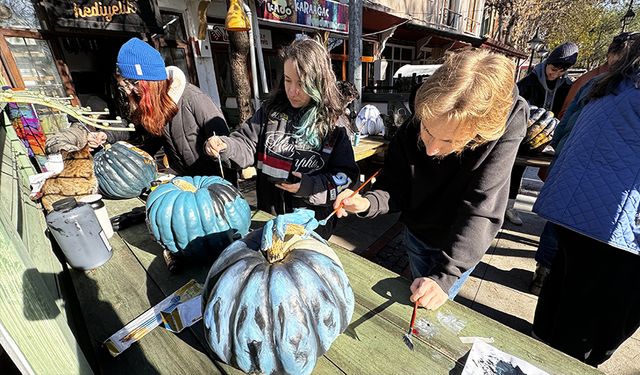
column 486, row 360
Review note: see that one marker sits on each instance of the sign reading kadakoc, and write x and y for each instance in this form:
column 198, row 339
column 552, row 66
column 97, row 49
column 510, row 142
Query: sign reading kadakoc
column 119, row 15
column 318, row 14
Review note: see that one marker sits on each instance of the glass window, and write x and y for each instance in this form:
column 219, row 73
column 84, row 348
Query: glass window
column 396, row 53
column 18, row 14
column 35, row 61
column 176, row 57
column 173, row 27
column 407, row 54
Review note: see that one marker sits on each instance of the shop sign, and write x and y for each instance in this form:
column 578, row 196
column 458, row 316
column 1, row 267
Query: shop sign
column 217, row 34
column 318, row 14
column 120, row 15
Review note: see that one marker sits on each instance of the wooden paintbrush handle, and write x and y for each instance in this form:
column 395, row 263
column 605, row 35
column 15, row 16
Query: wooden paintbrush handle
column 413, row 316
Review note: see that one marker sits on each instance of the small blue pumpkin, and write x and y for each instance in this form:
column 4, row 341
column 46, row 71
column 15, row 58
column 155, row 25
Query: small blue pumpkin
column 275, row 313
column 197, row 216
column 123, row 171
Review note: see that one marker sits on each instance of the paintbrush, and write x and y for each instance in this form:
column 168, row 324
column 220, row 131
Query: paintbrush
column 407, row 336
column 219, row 161
column 324, row 221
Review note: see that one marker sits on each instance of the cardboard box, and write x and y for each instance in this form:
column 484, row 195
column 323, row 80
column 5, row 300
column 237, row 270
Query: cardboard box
column 175, row 313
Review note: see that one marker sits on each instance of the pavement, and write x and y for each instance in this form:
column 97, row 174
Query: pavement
column 499, row 285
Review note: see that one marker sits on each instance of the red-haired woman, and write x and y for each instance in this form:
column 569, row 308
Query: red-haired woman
column 175, row 114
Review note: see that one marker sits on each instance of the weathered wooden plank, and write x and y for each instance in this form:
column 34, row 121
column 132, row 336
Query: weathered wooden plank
column 369, row 146
column 375, row 287
column 34, row 326
column 149, row 254
column 387, row 294
column 117, row 292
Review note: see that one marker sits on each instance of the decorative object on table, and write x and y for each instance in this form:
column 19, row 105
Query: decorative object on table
column 84, row 115
column 369, row 121
column 27, row 126
column 178, row 311
column 77, row 231
column 124, row 171
column 197, row 216
column 276, row 312
column 73, row 138
column 540, row 128
column 407, row 336
column 76, row 179
column 487, row 360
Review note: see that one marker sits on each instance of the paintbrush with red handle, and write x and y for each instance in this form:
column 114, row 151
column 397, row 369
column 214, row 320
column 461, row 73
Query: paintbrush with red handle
column 407, row 336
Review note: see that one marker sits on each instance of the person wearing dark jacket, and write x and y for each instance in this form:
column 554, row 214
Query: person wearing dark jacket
column 447, row 171
column 545, row 87
column 303, row 158
column 590, row 304
column 171, row 112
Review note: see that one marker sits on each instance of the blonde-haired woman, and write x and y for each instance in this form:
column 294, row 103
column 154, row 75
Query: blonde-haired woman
column 447, row 170
column 303, row 157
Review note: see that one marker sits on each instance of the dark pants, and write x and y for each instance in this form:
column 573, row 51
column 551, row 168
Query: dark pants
column 548, row 246
column 516, row 177
column 590, row 302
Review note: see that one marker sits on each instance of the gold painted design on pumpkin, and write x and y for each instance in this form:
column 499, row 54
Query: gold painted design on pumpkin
column 280, row 248
column 184, row 185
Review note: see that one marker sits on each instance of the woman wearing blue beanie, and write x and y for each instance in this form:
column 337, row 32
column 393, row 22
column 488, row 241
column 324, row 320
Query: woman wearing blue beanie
column 173, row 113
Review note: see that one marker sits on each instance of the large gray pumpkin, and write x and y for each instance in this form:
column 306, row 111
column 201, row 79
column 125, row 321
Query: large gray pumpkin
column 275, row 317
column 123, row 170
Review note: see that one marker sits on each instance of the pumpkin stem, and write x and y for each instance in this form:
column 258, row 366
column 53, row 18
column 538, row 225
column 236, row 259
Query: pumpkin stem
column 280, row 248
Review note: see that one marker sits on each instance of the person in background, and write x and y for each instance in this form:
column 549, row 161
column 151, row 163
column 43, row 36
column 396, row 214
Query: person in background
column 616, row 50
column 349, row 93
column 171, row 112
column 590, row 304
column 546, row 87
column 447, row 171
column 548, row 246
column 302, row 156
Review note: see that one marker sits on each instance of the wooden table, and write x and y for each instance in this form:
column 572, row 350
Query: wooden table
column 534, row 161
column 136, row 278
column 369, row 146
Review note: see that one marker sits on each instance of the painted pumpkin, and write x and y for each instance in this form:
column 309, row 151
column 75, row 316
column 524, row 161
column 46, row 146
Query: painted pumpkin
column 123, row 171
column 276, row 313
column 197, row 216
column 542, row 124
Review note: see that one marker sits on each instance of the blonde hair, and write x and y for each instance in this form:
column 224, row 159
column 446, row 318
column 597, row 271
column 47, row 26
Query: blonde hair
column 473, row 88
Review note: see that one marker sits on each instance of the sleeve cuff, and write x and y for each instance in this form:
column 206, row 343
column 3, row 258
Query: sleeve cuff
column 306, row 186
column 373, row 207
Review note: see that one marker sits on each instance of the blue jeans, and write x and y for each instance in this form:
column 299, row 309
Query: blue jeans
column 548, row 246
column 423, row 259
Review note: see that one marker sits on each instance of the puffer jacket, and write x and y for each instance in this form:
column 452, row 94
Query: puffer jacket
column 184, row 136
column 594, row 187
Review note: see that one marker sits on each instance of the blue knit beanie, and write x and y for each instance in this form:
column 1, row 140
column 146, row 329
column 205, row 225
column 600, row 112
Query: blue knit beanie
column 138, row 60
column 564, row 55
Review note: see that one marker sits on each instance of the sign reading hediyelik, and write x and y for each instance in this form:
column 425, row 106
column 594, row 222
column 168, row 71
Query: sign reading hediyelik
column 119, row 15
column 318, row 14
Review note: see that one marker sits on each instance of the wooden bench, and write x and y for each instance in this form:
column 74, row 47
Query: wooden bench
column 136, row 278
column 36, row 322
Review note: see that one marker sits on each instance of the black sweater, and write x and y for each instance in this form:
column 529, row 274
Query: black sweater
column 455, row 204
column 272, row 136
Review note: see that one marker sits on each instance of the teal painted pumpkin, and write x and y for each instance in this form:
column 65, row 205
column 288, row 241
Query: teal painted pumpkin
column 197, row 216
column 123, row 171
column 279, row 317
